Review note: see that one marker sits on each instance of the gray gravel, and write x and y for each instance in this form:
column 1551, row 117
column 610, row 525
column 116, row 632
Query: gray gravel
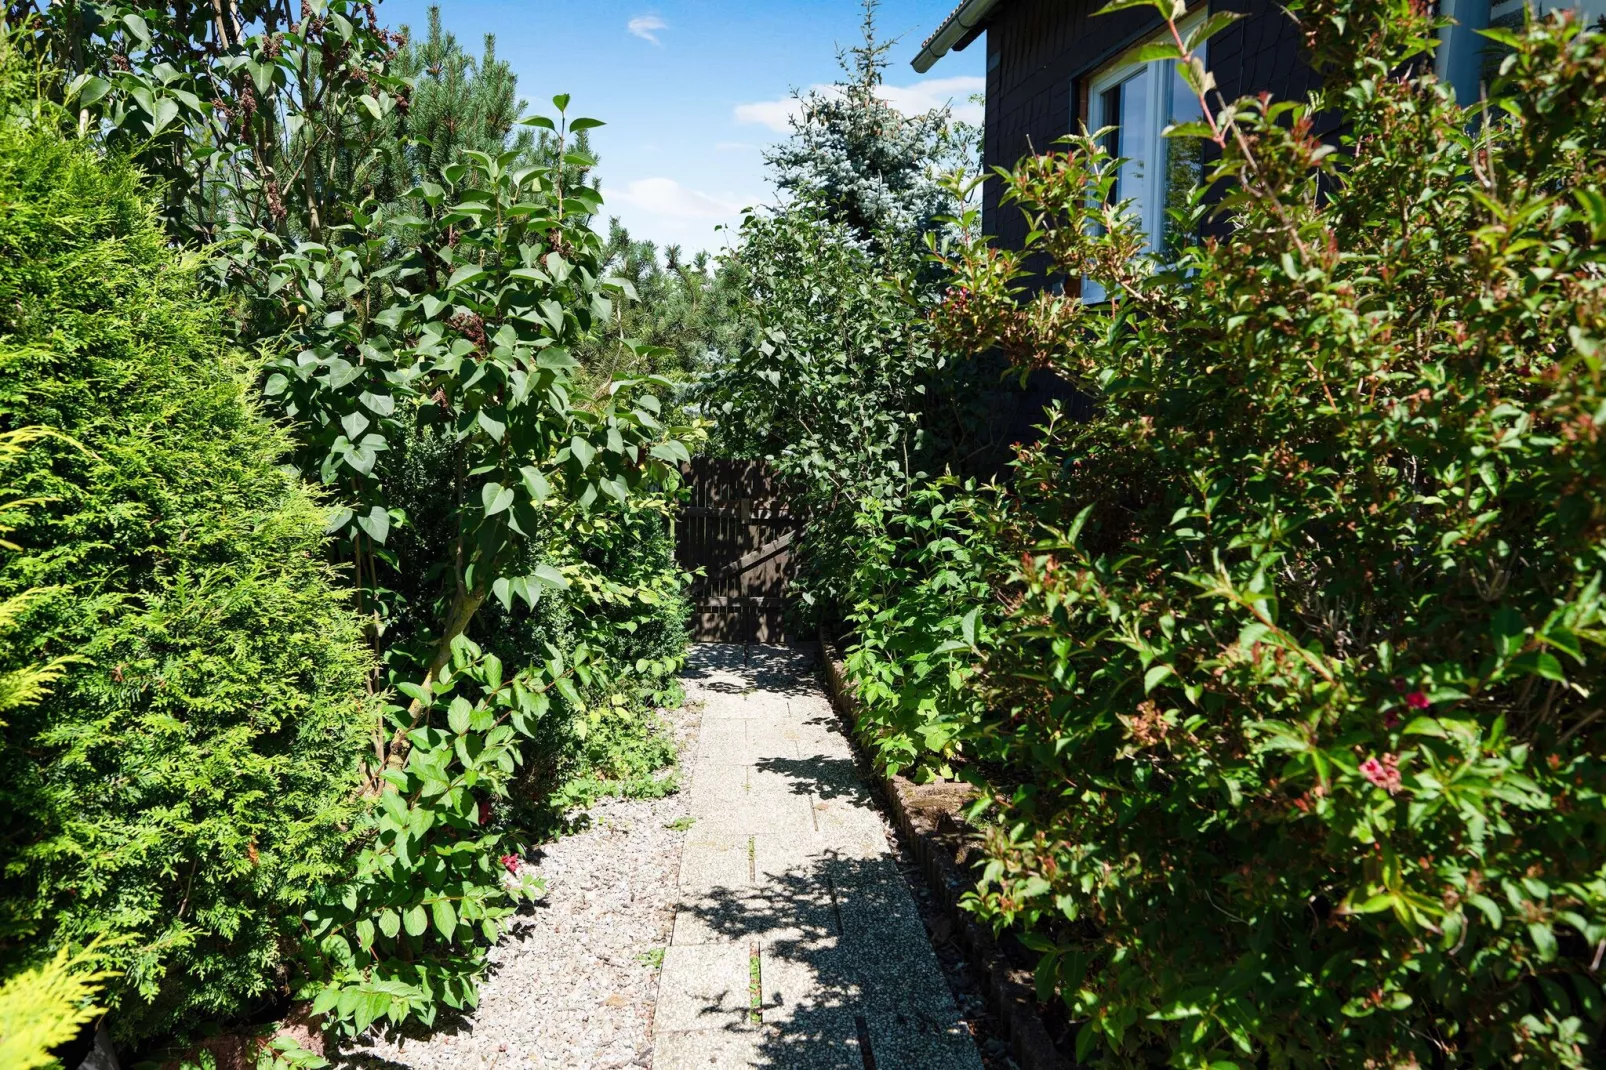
column 573, row 984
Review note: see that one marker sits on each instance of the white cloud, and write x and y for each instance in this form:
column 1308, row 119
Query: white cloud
column 922, row 96
column 645, row 27
column 666, row 197
column 934, row 93
column 775, row 114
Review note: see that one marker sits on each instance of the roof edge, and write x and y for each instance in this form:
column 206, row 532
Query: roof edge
column 956, row 31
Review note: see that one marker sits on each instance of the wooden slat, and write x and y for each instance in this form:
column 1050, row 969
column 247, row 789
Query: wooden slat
column 737, row 525
column 747, row 561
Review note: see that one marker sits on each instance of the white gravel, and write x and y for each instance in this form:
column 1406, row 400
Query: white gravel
column 573, row 984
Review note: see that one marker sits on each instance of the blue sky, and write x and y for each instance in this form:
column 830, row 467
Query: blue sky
column 693, row 91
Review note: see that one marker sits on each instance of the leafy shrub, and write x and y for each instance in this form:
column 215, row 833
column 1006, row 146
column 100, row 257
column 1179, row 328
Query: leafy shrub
column 1285, row 683
column 433, row 386
column 919, row 603
column 189, row 784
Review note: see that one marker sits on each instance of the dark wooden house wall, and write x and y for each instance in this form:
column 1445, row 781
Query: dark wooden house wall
column 1037, row 50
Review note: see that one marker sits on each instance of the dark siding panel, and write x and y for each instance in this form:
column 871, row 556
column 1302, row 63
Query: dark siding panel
column 1038, row 48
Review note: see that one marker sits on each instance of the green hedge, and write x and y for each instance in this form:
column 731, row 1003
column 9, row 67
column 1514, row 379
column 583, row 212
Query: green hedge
column 1282, row 673
column 190, row 782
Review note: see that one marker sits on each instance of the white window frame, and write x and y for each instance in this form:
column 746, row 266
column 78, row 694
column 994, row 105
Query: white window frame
column 1149, row 200
column 1588, row 10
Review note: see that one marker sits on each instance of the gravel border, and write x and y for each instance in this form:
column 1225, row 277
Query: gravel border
column 980, row 970
column 574, row 982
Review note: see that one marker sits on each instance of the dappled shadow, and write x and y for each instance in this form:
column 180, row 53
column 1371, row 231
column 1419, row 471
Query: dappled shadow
column 737, row 669
column 820, row 776
column 844, row 964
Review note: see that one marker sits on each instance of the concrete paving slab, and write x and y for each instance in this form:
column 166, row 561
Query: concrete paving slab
column 708, row 1049
column 910, row 1040
column 789, row 856
column 703, row 986
column 709, row 862
column 788, row 860
column 803, row 983
column 761, row 812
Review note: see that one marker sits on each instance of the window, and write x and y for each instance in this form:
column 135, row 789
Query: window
column 1140, row 100
column 1468, row 61
column 1509, row 12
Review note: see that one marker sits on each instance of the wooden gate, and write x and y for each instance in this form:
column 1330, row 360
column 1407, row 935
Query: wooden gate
column 738, row 529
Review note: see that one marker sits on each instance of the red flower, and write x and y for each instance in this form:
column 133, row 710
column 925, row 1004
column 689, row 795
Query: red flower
column 1384, row 774
column 512, row 862
column 1391, row 719
column 485, row 811
column 1417, row 701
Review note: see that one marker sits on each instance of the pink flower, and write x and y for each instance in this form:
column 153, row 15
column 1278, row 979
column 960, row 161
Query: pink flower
column 1384, row 774
column 512, row 862
column 1417, row 701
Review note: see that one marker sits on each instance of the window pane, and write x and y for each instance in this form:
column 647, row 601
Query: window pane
column 1133, row 120
column 1184, row 159
column 1109, row 114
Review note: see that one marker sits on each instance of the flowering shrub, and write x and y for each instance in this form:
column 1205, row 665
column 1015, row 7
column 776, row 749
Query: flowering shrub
column 1292, row 726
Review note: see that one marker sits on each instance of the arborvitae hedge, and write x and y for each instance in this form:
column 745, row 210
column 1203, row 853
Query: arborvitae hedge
column 191, row 780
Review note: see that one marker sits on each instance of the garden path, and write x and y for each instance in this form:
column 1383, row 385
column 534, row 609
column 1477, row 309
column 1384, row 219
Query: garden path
column 796, row 943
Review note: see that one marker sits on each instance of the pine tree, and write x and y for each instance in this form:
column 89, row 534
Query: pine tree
column 866, row 163
column 459, row 104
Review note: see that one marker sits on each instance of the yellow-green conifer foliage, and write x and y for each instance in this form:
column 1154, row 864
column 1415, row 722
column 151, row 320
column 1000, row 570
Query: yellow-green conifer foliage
column 190, row 779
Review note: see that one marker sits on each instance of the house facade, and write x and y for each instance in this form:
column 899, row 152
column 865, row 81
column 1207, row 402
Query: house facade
column 1054, row 66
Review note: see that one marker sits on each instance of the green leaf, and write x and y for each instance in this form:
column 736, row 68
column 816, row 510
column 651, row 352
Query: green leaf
column 459, row 714
column 416, row 920
column 87, row 89
column 577, row 125
column 582, row 451
column 1157, row 52
column 389, row 922
column 376, row 524
column 495, row 498
column 673, row 451
column 445, row 918
column 165, row 112
column 535, row 483
column 466, row 274
column 1544, row 939
column 550, row 576
column 1489, row 909
column 1162, row 6
column 1218, row 21
column 491, row 425
column 338, row 520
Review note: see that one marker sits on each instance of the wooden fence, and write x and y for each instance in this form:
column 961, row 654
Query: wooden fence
column 738, row 528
